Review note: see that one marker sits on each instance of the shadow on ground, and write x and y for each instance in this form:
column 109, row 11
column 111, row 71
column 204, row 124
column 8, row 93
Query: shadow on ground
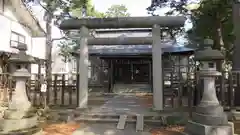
column 109, row 129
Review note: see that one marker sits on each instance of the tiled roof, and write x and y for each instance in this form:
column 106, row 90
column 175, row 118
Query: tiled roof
column 134, row 49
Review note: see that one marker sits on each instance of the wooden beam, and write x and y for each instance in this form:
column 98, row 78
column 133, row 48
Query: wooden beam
column 123, row 22
column 121, row 41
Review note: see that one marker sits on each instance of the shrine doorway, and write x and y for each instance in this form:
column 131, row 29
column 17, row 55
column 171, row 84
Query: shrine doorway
column 133, row 72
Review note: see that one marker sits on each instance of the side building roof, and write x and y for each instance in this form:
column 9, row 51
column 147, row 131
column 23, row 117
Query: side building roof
column 26, row 17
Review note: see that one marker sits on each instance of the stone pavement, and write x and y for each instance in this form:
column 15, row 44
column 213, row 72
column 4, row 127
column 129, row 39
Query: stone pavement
column 131, row 88
column 108, row 129
column 130, row 105
column 124, row 104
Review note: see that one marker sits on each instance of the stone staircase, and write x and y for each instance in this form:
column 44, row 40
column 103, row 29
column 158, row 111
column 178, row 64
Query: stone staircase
column 121, row 120
column 132, row 88
column 122, row 110
column 141, row 121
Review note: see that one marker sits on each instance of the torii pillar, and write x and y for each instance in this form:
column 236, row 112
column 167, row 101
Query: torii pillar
column 83, row 68
column 157, row 68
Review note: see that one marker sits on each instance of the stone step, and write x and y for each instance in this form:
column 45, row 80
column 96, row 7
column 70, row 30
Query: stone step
column 114, row 120
column 79, row 115
column 99, row 116
column 95, row 120
column 121, row 122
column 131, row 88
column 117, row 116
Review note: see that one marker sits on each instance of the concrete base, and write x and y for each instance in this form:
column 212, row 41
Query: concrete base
column 9, row 125
column 194, row 128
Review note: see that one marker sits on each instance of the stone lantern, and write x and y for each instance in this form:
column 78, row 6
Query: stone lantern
column 19, row 116
column 209, row 117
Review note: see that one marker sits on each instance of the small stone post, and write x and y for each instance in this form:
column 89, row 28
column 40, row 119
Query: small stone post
column 19, row 116
column 209, row 117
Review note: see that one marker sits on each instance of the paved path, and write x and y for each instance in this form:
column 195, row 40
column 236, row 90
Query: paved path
column 108, row 129
column 125, row 104
column 120, row 104
column 131, row 88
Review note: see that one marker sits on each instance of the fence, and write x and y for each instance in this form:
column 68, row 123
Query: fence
column 188, row 87
column 62, row 92
column 183, row 85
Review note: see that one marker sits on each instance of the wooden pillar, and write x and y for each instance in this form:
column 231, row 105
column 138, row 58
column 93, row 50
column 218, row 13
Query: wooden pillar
column 39, row 71
column 110, row 76
column 77, row 80
column 150, row 75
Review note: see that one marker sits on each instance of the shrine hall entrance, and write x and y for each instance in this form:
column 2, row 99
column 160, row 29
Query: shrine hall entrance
column 132, row 71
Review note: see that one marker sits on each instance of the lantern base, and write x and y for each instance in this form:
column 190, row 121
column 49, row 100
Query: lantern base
column 194, row 128
column 11, row 125
column 219, row 119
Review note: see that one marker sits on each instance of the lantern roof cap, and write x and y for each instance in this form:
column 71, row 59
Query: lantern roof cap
column 207, row 53
column 21, row 57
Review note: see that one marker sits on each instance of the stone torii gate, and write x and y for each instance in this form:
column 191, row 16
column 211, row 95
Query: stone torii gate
column 154, row 22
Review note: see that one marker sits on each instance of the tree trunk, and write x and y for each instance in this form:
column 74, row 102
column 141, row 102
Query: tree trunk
column 48, row 63
column 218, row 41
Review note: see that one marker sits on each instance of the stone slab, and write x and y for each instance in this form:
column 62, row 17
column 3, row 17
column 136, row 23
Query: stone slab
column 140, row 123
column 7, row 125
column 108, row 129
column 219, row 119
column 194, row 128
column 122, row 122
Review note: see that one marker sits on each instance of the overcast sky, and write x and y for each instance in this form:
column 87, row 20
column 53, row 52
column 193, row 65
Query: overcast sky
column 135, row 8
